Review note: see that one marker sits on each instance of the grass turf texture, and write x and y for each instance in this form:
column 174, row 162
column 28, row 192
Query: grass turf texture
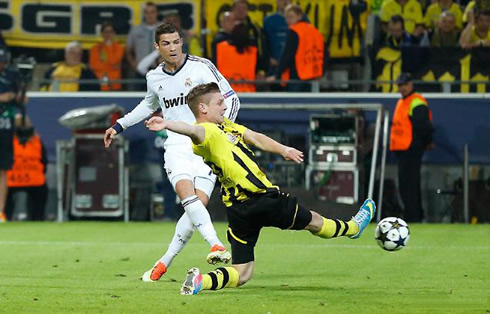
column 95, row 267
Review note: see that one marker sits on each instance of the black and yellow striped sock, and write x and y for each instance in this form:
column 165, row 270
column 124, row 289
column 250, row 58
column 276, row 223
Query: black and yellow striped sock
column 223, row 277
column 335, row 228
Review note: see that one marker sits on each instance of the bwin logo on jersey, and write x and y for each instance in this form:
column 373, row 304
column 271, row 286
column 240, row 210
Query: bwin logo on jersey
column 174, row 102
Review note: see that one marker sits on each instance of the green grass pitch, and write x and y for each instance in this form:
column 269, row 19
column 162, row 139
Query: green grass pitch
column 94, row 267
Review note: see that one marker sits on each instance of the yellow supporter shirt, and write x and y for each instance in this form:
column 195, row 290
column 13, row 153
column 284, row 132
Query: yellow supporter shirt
column 411, row 13
column 226, row 153
column 434, row 12
column 476, row 38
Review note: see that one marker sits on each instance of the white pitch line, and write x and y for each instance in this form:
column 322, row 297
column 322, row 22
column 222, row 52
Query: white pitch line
column 356, row 246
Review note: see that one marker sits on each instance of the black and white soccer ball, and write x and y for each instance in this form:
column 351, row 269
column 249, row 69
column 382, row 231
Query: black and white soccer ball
column 392, row 233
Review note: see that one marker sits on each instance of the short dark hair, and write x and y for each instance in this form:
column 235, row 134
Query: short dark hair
column 236, row 2
column 398, row 19
column 165, row 28
column 195, row 95
column 107, row 24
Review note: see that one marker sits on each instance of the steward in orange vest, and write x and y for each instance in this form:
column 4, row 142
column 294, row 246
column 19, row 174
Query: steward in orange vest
column 106, row 58
column 304, row 52
column 28, row 174
column 237, row 59
column 406, row 126
column 29, row 164
column 411, row 134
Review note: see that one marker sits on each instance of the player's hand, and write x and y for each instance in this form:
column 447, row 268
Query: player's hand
column 110, row 133
column 156, row 124
column 293, row 154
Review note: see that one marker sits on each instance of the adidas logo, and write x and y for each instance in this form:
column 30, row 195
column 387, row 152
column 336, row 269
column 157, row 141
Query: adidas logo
column 160, row 88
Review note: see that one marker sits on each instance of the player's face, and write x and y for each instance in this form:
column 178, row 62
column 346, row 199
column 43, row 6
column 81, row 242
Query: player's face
column 216, row 108
column 170, row 47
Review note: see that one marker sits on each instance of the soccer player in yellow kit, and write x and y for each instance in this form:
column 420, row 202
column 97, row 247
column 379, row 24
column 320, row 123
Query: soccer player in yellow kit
column 252, row 201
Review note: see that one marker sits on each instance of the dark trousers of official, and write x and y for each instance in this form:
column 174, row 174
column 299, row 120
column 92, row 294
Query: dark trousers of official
column 409, row 165
column 37, row 197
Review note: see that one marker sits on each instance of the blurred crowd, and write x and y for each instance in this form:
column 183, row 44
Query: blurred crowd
column 267, row 58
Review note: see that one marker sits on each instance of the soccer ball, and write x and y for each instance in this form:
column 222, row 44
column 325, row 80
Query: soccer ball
column 392, row 234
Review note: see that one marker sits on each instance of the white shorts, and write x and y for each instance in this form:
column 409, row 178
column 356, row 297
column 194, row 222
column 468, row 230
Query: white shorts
column 184, row 165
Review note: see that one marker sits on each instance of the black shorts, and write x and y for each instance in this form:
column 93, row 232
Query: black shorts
column 245, row 219
column 6, row 150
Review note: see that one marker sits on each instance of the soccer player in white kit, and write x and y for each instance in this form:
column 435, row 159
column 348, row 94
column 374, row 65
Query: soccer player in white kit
column 167, row 87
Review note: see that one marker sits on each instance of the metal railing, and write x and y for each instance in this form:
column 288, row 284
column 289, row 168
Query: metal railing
column 315, row 86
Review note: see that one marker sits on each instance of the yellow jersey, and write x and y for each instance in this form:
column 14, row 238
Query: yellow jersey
column 411, row 13
column 226, row 153
column 475, row 38
column 434, row 12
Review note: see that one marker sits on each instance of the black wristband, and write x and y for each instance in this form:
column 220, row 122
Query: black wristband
column 118, row 128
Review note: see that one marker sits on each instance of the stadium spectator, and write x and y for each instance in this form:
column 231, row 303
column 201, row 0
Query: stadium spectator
column 275, row 31
column 433, row 13
column 227, row 23
column 28, row 174
column 411, row 135
column 477, row 34
column 237, row 59
column 445, row 34
column 167, row 88
column 106, row 58
column 397, row 36
column 240, row 12
column 410, row 10
column 303, row 56
column 65, row 75
column 252, row 201
column 139, row 44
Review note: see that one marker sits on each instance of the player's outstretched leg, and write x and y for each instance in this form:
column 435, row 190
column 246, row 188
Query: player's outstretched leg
column 223, row 277
column 332, row 228
column 183, row 232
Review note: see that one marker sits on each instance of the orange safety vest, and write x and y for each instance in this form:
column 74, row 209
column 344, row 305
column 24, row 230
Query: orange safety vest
column 310, row 53
column 401, row 129
column 237, row 66
column 28, row 170
column 106, row 61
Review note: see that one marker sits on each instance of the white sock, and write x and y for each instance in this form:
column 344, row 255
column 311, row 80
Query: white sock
column 183, row 233
column 200, row 219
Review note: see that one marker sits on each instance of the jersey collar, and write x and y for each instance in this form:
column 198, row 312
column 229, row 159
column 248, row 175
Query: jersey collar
column 177, row 71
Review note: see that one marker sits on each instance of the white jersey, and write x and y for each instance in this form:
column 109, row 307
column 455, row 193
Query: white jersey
column 169, row 91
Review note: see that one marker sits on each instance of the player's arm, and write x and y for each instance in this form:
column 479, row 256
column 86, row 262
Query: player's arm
column 195, row 132
column 143, row 110
column 267, row 144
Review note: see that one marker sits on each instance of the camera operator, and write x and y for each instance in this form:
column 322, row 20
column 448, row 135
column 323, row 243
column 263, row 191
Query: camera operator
column 11, row 95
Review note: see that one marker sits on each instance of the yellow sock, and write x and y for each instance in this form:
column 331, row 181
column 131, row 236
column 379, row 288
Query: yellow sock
column 334, row 228
column 223, row 277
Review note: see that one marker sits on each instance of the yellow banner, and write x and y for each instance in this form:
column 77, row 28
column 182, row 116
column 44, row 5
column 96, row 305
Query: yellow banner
column 333, row 18
column 54, row 23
